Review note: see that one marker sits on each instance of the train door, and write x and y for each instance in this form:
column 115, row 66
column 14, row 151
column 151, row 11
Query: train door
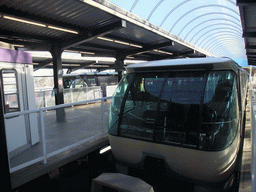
column 18, row 95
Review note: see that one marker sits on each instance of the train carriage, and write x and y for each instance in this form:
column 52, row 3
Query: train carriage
column 184, row 116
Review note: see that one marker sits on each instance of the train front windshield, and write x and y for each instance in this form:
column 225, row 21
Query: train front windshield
column 195, row 110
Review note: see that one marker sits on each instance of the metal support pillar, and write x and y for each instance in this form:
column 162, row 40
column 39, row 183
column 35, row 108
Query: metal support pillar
column 56, row 52
column 119, row 65
column 5, row 178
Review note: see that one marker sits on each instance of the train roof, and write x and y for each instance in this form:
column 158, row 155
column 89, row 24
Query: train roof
column 189, row 64
column 13, row 56
column 90, row 74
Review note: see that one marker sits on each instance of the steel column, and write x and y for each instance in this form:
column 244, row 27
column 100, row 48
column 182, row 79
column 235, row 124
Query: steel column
column 56, row 52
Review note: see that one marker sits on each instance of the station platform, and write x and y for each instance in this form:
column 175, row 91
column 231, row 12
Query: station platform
column 80, row 134
column 79, row 126
column 245, row 175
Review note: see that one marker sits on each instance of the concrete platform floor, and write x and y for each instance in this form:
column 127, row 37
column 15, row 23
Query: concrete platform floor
column 82, row 122
column 245, row 175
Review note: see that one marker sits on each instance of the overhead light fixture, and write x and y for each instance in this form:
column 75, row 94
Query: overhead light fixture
column 18, row 45
column 38, row 24
column 71, row 65
column 141, row 52
column 120, row 42
column 105, row 39
column 23, row 21
column 133, row 45
column 82, row 52
column 68, row 65
column 71, row 51
column 98, row 66
column 87, row 53
column 62, row 29
column 159, row 51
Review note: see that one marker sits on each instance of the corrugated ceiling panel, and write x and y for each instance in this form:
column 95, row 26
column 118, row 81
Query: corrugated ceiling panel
column 74, row 12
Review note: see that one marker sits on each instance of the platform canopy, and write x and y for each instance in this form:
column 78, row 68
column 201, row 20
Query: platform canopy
column 91, row 28
column 248, row 17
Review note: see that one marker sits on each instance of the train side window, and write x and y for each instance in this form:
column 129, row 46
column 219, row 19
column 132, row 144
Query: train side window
column 10, row 90
column 92, row 81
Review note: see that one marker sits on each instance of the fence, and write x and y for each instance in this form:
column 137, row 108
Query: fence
column 82, row 123
column 253, row 116
column 46, row 98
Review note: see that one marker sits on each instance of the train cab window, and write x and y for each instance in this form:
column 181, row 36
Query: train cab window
column 158, row 107
column 195, row 110
column 220, row 111
column 117, row 103
column 10, row 90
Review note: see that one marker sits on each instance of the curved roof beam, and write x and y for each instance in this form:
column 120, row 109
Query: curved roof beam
column 235, row 29
column 229, row 43
column 213, row 38
column 208, row 32
column 223, row 40
column 153, row 10
column 225, row 43
column 209, row 20
column 220, row 51
column 213, row 49
column 202, row 7
column 134, row 4
column 176, row 7
column 218, row 46
column 206, row 14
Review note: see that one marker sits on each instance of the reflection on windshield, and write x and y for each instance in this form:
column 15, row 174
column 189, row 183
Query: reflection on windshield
column 181, row 108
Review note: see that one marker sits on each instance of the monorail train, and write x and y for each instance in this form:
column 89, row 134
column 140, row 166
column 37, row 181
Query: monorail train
column 79, row 80
column 183, row 117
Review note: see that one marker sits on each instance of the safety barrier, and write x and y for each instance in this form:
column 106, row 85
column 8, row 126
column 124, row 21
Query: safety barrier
column 46, row 98
column 81, row 125
column 253, row 116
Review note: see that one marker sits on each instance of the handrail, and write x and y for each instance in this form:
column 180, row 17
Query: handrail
column 53, row 107
column 46, row 155
column 253, row 127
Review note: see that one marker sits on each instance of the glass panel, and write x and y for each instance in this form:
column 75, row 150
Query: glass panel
column 117, row 103
column 10, row 89
column 197, row 110
column 67, row 83
column 159, row 107
column 92, row 81
column 78, row 83
column 220, row 111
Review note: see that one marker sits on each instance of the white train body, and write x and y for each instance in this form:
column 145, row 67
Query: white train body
column 182, row 117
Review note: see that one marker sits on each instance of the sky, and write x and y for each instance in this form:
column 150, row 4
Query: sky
column 213, row 25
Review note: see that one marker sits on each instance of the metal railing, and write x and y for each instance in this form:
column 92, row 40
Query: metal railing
column 42, row 131
column 253, row 127
column 46, row 98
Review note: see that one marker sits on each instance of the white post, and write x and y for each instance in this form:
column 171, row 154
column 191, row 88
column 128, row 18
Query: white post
column 102, row 113
column 43, row 135
column 253, row 163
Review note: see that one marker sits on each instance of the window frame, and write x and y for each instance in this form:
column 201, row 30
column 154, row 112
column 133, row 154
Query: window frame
column 17, row 93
